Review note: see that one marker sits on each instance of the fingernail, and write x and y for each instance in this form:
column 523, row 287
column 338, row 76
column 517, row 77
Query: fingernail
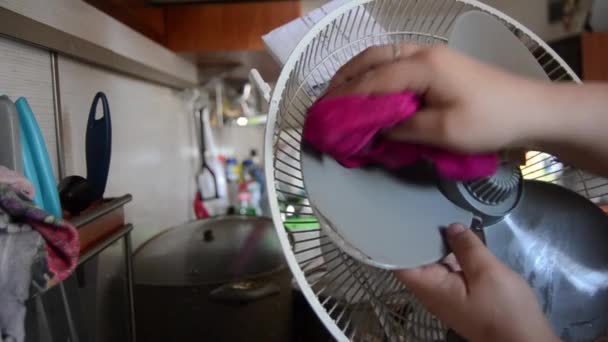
column 455, row 229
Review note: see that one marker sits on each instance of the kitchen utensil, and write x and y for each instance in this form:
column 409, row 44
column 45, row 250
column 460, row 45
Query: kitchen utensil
column 76, row 192
column 211, row 180
column 99, row 145
column 333, row 266
column 29, row 170
column 206, row 175
column 10, row 136
column 36, row 159
column 202, row 279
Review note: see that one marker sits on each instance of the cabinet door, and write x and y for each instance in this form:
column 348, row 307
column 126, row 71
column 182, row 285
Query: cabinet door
column 595, row 56
column 226, row 27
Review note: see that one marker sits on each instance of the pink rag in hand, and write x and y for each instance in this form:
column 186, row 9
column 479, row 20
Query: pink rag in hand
column 347, row 128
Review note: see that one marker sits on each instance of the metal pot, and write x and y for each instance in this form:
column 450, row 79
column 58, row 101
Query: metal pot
column 221, row 279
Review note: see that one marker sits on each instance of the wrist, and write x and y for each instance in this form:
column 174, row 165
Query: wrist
column 581, row 116
column 548, row 114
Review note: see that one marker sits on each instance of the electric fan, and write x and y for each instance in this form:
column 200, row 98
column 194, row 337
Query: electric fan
column 344, row 230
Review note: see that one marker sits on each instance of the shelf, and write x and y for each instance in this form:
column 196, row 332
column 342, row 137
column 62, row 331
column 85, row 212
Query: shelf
column 24, row 29
column 99, row 222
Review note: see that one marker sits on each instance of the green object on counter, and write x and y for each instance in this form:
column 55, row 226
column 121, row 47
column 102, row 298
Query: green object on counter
column 301, row 223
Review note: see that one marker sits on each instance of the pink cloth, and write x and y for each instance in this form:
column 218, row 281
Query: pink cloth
column 347, row 128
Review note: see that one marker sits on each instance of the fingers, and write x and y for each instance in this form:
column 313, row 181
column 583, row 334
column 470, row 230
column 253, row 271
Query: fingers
column 471, row 253
column 424, row 278
column 438, row 286
column 435, row 286
column 371, row 58
column 411, row 74
column 451, row 263
column 425, row 128
column 437, row 279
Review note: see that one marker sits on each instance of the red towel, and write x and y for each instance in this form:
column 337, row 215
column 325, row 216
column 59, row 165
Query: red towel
column 347, row 128
column 59, row 257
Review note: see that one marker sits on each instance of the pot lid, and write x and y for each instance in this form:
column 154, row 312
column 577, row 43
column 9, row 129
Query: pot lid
column 209, row 251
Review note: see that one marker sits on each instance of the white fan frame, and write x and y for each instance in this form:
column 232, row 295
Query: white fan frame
column 269, row 136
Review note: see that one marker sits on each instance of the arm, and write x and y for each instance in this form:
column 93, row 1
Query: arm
column 576, row 126
column 473, row 107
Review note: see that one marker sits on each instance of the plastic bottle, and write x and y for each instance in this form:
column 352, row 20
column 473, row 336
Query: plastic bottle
column 254, row 188
column 254, row 169
column 245, row 207
column 207, row 185
column 232, row 178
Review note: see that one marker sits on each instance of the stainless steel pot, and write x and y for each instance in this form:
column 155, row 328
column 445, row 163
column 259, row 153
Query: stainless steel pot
column 221, row 279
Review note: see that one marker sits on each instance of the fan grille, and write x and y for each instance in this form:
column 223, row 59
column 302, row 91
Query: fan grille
column 354, row 300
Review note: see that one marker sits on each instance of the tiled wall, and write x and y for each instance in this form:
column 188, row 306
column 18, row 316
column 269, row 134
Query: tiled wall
column 154, row 148
column 239, row 141
column 26, row 72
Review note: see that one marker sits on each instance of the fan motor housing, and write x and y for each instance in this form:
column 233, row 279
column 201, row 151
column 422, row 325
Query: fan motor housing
column 490, row 198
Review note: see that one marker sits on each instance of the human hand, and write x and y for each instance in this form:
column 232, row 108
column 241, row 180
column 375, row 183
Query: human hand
column 485, row 300
column 467, row 106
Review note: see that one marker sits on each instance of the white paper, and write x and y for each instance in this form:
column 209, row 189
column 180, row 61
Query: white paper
column 282, row 41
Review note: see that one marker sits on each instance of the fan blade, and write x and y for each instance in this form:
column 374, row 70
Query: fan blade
column 387, row 220
column 485, row 38
column 557, row 240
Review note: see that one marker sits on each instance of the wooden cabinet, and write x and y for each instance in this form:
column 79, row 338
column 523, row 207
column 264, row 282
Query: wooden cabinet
column 203, row 27
column 226, row 27
column 145, row 19
column 595, row 56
